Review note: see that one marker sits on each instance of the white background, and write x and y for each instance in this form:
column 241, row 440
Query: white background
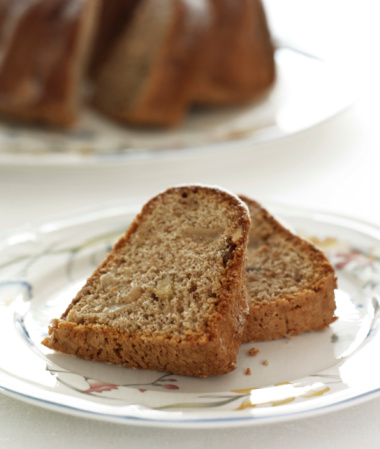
column 334, row 166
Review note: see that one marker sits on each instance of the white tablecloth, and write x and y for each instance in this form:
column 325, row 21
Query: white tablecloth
column 334, row 167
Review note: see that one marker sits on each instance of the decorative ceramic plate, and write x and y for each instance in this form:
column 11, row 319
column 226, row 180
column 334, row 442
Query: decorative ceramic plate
column 308, row 91
column 44, row 265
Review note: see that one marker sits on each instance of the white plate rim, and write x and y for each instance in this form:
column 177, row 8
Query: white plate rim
column 269, row 133
column 205, row 422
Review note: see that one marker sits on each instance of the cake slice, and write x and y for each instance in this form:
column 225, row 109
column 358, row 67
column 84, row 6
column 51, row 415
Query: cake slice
column 290, row 283
column 148, row 76
column 238, row 63
column 171, row 296
column 44, row 47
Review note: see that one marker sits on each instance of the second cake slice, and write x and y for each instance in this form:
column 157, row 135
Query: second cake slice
column 171, row 296
column 290, row 282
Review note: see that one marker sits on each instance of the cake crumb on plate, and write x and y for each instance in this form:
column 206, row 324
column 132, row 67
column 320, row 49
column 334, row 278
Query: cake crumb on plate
column 253, row 351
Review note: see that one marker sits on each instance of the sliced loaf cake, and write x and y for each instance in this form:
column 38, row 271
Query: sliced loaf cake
column 290, row 283
column 171, row 296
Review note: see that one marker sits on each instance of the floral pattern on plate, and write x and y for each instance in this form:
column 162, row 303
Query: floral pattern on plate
column 42, row 268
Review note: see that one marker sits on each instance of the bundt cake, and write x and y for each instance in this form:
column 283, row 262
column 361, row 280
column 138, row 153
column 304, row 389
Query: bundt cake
column 44, row 48
column 238, row 63
column 148, row 61
column 114, row 17
column 148, row 77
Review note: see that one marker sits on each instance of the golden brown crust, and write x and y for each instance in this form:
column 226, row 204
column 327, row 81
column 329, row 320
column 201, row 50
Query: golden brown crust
column 191, row 357
column 306, row 312
column 212, row 352
column 304, row 309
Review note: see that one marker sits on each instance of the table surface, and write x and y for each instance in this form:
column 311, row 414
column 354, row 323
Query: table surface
column 333, row 167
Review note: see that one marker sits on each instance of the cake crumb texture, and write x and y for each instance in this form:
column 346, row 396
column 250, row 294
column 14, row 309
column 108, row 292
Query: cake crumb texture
column 171, row 296
column 290, row 282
